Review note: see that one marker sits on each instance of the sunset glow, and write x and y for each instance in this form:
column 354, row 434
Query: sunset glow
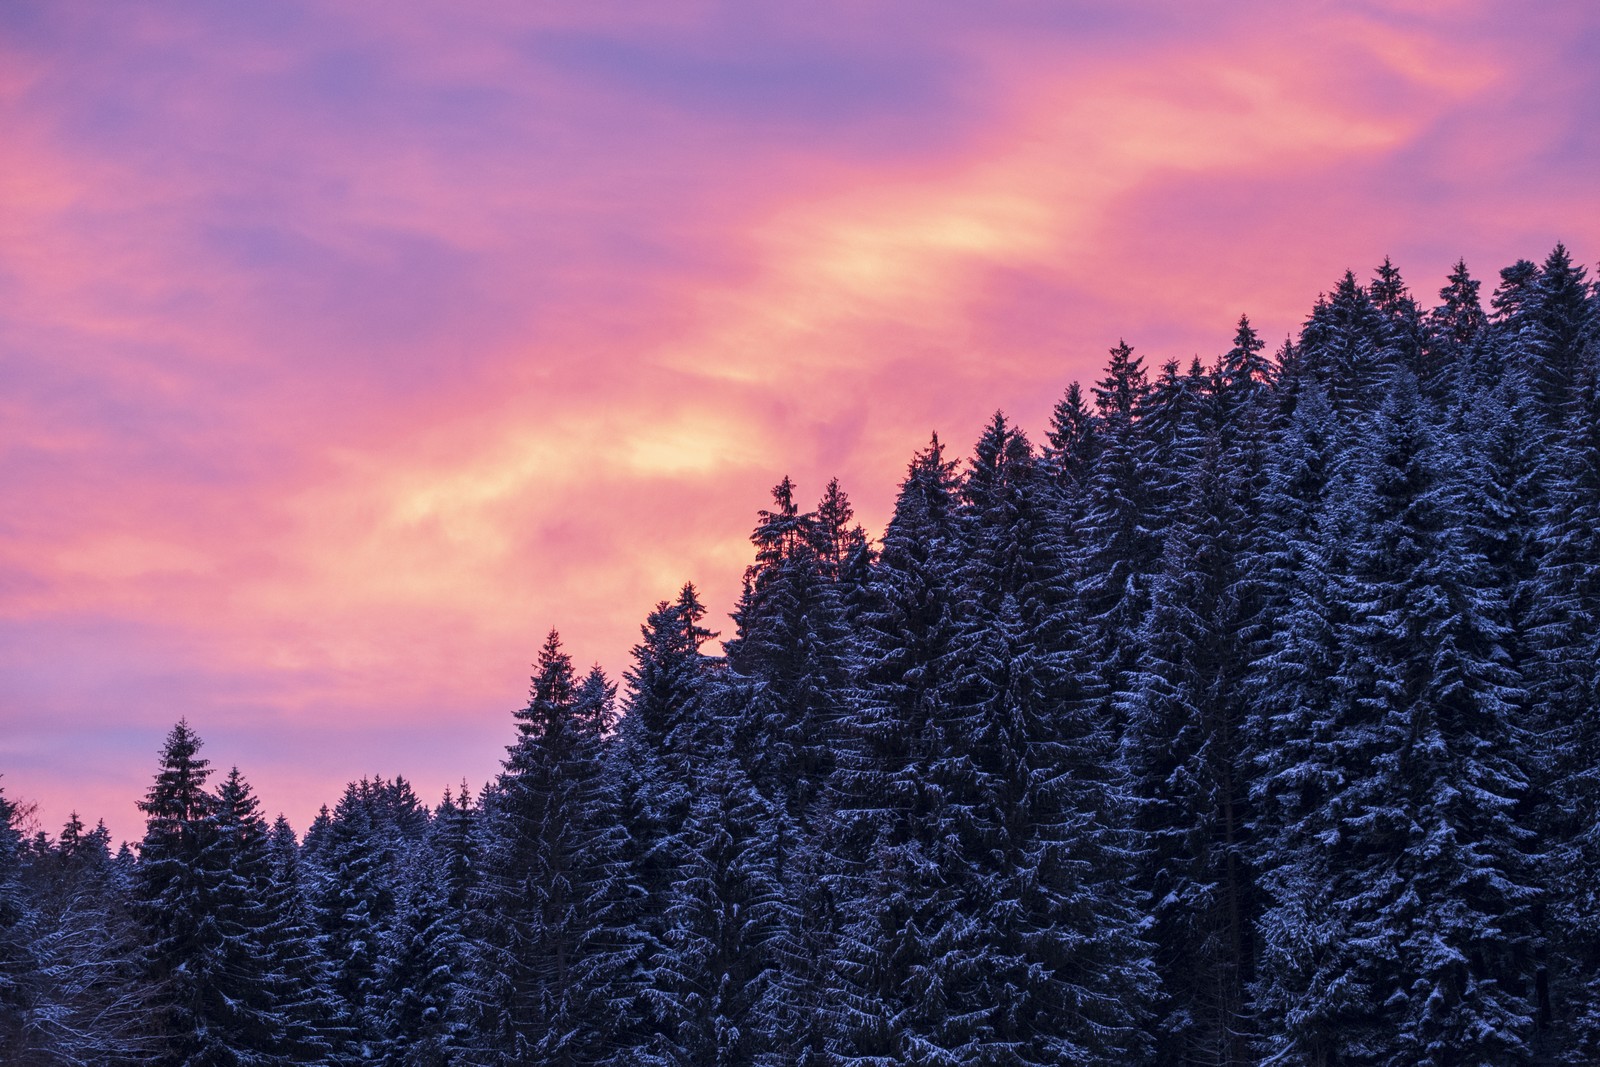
column 347, row 349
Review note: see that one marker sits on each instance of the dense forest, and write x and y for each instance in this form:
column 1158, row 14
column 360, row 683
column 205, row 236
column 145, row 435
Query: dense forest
column 1248, row 717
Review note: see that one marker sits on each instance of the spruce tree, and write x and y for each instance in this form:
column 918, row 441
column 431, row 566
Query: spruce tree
column 352, row 897
column 1454, row 336
column 1402, row 924
column 314, row 1027
column 665, row 737
column 176, row 894
column 1345, row 346
column 1564, row 640
column 423, row 961
column 789, row 659
column 552, row 879
column 16, row 961
column 1120, row 547
column 85, row 999
column 1039, row 954
column 238, row 852
column 726, row 917
column 882, row 793
column 1184, row 746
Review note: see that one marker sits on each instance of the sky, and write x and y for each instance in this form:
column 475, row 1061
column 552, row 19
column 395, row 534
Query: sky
column 347, row 348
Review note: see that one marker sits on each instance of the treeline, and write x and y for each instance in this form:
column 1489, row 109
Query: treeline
column 1249, row 717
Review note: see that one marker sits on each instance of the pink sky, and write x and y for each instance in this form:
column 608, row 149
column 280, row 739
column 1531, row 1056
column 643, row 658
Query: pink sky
column 347, row 348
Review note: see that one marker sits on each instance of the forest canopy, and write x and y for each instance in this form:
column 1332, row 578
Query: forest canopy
column 1249, row 715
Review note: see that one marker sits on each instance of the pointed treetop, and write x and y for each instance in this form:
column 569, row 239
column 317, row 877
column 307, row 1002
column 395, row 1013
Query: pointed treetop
column 595, row 701
column 833, row 538
column 1388, row 289
column 1516, row 291
column 1001, row 457
column 692, row 611
column 553, row 687
column 178, row 793
column 781, row 529
column 925, row 494
column 1119, row 394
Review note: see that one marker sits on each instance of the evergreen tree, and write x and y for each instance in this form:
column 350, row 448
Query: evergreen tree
column 665, row 736
column 726, row 916
column 314, row 1028
column 175, row 894
column 552, row 881
column 423, row 961
column 1038, row 953
column 1074, row 438
column 1119, row 545
column 1172, row 439
column 1454, row 337
column 1184, row 744
column 352, row 899
column 201, row 878
column 85, row 999
column 790, row 657
column 1564, row 640
column 238, row 854
column 16, row 961
column 1556, row 338
column 1344, row 345
column 1402, row 328
column 882, row 793
column 1402, row 916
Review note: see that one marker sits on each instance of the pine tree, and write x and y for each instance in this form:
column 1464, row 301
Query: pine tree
column 881, row 793
column 1184, row 742
column 790, row 658
column 352, row 898
column 1454, row 336
column 1564, row 640
column 1402, row 928
column 725, row 919
column 16, row 962
column 552, row 879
